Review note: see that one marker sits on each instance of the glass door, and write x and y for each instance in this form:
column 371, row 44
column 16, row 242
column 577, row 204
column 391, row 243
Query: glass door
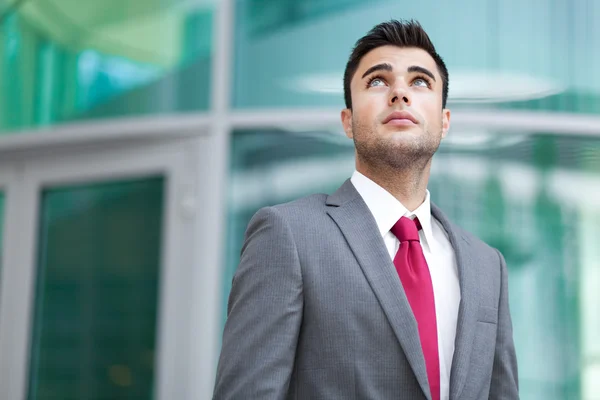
column 104, row 273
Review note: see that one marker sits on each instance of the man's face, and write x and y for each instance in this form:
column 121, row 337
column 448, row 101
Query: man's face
column 397, row 117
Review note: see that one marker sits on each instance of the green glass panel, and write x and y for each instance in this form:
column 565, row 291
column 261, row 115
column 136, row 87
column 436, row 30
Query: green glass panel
column 94, row 330
column 530, row 195
column 65, row 60
column 293, row 53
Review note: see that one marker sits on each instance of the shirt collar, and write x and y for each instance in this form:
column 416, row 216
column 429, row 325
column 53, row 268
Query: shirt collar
column 387, row 210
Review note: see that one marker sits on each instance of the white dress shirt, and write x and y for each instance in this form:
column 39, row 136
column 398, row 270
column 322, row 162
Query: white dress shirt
column 440, row 257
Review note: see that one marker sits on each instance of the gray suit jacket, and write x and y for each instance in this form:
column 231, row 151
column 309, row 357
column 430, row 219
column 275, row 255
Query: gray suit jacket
column 317, row 311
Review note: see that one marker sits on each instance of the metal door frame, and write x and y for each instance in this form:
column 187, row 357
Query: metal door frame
column 187, row 282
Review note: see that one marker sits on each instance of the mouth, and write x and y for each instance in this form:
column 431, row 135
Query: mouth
column 401, row 118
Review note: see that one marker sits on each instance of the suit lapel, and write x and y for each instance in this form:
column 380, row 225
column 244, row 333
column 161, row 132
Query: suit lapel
column 468, row 308
column 358, row 226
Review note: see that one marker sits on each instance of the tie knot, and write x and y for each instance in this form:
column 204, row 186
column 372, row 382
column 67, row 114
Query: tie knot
column 406, row 229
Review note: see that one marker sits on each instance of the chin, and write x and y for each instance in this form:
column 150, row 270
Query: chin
column 407, row 136
column 403, row 129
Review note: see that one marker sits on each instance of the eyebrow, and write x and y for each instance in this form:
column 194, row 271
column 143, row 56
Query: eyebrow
column 388, row 67
column 378, row 67
column 416, row 68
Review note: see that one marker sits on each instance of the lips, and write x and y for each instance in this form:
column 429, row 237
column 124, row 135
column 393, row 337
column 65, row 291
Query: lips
column 400, row 115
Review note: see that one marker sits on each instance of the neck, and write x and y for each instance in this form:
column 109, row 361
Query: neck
column 408, row 186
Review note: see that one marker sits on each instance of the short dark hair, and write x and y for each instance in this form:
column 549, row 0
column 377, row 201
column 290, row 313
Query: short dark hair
column 395, row 33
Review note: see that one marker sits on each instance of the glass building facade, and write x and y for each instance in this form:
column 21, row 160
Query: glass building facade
column 520, row 167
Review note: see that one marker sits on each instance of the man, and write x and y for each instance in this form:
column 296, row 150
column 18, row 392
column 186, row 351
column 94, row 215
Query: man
column 372, row 293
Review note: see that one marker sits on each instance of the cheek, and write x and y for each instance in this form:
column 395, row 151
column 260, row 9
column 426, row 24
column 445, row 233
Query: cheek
column 359, row 115
column 371, row 100
column 432, row 112
column 367, row 111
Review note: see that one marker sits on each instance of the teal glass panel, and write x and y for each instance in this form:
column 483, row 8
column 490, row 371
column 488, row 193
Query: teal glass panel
column 500, row 54
column 532, row 195
column 96, row 295
column 65, row 60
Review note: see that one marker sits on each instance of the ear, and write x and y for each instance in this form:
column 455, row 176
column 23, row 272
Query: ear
column 346, row 116
column 445, row 122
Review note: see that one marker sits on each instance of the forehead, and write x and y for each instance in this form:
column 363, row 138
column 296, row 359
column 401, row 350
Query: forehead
column 400, row 58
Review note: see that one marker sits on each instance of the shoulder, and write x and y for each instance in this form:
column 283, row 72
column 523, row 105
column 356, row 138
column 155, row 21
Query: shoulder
column 465, row 239
column 485, row 260
column 477, row 244
column 310, row 204
column 478, row 247
column 291, row 215
column 299, row 209
column 485, row 263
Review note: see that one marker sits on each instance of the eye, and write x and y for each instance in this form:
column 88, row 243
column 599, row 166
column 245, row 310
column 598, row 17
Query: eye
column 422, row 82
column 376, row 81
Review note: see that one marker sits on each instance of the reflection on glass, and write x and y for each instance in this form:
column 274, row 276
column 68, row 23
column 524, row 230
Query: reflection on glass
column 293, row 53
column 64, row 61
column 533, row 196
column 94, row 330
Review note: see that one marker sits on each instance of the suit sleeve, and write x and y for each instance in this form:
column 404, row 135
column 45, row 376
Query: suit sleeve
column 505, row 381
column 264, row 314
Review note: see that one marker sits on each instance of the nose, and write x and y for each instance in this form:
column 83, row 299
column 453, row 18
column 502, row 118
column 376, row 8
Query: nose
column 399, row 94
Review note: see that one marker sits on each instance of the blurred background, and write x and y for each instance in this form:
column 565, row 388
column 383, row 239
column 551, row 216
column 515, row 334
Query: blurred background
column 138, row 137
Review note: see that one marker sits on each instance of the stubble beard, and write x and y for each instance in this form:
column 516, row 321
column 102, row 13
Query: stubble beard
column 396, row 155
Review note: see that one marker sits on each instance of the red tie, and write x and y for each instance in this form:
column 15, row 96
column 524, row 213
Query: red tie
column 414, row 274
